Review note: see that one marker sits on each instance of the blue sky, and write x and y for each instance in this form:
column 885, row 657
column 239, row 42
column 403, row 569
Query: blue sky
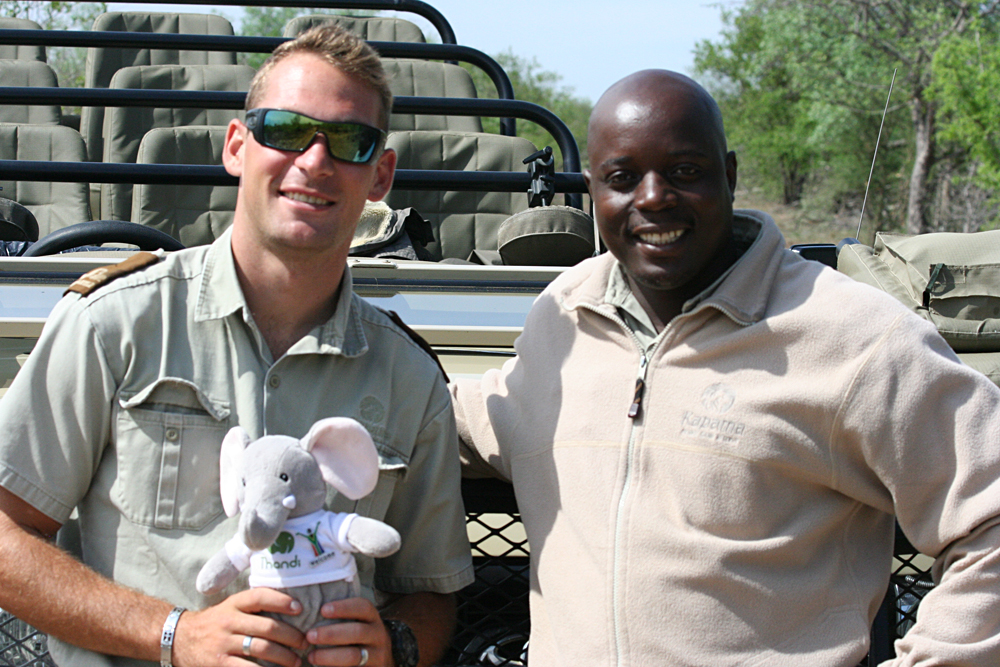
column 590, row 43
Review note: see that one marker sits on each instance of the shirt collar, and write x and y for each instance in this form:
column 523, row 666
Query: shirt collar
column 220, row 296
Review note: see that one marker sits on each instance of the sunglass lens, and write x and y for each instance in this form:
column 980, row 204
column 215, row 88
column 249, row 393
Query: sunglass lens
column 353, row 143
column 288, row 131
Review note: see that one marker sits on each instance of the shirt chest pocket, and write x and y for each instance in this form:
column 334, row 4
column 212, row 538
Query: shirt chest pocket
column 168, row 437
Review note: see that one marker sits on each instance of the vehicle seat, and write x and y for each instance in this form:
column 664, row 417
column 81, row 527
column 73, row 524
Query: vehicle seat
column 192, row 214
column 124, row 127
column 462, row 221
column 422, row 78
column 29, row 73
column 17, row 51
column 54, row 205
column 102, row 63
column 368, row 28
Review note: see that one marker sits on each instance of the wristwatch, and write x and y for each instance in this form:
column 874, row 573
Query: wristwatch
column 167, row 637
column 404, row 643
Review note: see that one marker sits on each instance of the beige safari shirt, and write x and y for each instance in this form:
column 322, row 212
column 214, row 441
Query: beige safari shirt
column 121, row 409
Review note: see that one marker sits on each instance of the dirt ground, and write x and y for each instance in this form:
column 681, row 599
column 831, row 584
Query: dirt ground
column 796, row 225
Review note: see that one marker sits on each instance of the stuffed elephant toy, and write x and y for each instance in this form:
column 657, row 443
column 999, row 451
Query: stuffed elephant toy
column 286, row 538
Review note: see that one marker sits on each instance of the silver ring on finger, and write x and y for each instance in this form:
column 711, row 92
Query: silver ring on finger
column 364, row 658
column 247, row 639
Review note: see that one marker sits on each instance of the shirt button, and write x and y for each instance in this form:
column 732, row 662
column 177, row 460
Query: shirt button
column 172, row 434
column 274, row 381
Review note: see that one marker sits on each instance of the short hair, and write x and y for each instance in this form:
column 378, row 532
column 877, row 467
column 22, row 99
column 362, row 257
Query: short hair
column 338, row 47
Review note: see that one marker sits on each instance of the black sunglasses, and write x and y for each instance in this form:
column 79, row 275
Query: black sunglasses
column 291, row 131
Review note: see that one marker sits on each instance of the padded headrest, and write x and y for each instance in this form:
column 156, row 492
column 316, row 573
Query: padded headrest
column 462, row 221
column 29, row 73
column 369, row 28
column 546, row 236
column 20, row 52
column 192, row 214
column 422, row 78
column 54, row 204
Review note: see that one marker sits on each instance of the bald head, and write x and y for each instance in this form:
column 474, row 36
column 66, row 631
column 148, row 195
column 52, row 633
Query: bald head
column 643, row 97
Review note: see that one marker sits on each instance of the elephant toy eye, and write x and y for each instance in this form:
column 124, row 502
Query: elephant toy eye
column 244, row 480
column 284, row 477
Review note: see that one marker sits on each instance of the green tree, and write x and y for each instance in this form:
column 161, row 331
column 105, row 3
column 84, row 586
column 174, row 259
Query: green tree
column 533, row 84
column 767, row 118
column 68, row 62
column 967, row 87
column 859, row 37
column 837, row 56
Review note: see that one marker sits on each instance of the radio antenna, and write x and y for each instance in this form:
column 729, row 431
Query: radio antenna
column 869, row 184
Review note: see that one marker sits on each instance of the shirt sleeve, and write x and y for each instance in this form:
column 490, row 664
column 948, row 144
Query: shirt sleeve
column 428, row 512
column 479, row 448
column 55, row 417
column 926, row 429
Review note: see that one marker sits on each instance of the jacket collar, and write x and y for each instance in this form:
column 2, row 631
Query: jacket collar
column 220, row 295
column 741, row 293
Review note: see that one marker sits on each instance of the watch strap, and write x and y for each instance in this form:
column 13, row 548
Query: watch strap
column 404, row 643
column 167, row 636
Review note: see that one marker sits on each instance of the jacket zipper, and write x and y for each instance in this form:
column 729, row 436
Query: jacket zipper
column 634, row 412
column 640, row 387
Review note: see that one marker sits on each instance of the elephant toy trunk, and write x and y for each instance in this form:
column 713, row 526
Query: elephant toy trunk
column 259, row 532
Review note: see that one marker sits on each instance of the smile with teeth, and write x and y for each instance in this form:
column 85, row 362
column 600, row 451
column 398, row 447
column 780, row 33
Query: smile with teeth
column 308, row 199
column 661, row 238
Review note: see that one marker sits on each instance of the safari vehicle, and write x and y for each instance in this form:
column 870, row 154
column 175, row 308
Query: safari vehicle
column 140, row 167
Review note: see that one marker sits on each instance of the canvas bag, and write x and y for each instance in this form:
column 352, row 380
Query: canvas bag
column 952, row 280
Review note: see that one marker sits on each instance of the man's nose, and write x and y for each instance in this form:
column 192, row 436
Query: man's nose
column 654, row 192
column 316, row 157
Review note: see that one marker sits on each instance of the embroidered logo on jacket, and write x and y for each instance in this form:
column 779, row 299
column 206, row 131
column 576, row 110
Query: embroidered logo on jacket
column 718, row 398
column 715, row 400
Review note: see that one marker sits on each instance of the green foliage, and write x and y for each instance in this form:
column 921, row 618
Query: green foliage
column 803, row 83
column 533, row 84
column 768, row 119
column 967, row 87
column 68, row 62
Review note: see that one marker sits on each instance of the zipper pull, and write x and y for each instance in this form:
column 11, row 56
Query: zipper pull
column 640, row 386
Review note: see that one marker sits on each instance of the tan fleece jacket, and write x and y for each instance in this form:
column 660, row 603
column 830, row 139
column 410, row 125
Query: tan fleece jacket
column 745, row 515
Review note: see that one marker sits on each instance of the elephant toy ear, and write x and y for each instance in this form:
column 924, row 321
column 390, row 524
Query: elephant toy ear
column 231, row 469
column 346, row 455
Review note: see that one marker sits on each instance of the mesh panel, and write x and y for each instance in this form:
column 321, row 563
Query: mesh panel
column 493, row 612
column 21, row 644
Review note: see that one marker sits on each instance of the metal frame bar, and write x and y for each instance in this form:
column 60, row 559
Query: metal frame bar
column 209, row 99
column 236, row 43
column 182, row 174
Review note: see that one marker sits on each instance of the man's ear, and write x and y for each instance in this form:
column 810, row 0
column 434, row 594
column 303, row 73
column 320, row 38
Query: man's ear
column 730, row 173
column 232, row 151
column 586, row 179
column 385, row 171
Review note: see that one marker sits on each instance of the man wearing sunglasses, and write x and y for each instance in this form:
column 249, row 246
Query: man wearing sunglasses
column 121, row 409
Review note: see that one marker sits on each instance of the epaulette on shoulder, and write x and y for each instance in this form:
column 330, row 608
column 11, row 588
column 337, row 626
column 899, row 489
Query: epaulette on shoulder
column 418, row 339
column 103, row 275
